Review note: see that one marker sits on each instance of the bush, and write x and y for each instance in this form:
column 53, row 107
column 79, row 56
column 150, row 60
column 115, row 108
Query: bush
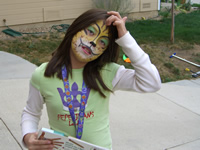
column 187, row 6
column 123, row 7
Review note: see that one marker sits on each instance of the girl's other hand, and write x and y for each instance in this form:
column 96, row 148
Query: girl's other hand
column 33, row 143
column 117, row 21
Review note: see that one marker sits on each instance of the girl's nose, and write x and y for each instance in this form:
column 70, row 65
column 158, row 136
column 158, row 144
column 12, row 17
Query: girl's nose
column 93, row 44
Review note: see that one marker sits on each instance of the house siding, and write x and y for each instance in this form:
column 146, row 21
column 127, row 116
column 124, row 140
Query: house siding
column 33, row 11
column 21, row 12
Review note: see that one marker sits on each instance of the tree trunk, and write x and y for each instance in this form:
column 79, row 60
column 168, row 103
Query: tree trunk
column 172, row 26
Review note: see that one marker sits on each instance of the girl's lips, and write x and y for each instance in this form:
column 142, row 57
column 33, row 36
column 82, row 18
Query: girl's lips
column 86, row 50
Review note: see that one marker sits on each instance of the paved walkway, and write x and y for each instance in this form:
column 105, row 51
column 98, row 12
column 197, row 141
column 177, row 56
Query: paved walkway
column 166, row 120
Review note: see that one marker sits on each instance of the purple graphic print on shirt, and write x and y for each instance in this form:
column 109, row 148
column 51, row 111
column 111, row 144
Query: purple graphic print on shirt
column 74, row 92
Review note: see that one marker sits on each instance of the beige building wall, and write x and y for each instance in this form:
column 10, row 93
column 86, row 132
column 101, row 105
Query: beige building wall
column 144, row 8
column 20, row 12
column 17, row 12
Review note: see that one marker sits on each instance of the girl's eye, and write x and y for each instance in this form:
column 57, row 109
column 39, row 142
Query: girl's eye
column 90, row 31
column 104, row 43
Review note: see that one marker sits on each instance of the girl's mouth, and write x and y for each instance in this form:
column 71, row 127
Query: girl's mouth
column 86, row 50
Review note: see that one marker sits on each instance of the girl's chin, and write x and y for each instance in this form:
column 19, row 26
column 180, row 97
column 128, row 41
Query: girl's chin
column 84, row 56
column 86, row 60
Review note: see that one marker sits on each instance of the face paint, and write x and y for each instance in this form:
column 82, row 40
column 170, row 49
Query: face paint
column 90, row 43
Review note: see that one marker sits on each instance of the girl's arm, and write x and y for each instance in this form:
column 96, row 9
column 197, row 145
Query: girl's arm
column 32, row 112
column 144, row 77
column 30, row 120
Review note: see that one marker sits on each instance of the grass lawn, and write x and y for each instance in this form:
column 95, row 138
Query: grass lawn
column 187, row 29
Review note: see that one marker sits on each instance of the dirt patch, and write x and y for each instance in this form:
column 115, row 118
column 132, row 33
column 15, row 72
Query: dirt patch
column 172, row 69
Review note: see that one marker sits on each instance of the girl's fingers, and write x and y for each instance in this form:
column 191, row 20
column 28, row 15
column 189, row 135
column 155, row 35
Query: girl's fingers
column 42, row 142
column 117, row 21
column 115, row 17
column 111, row 19
column 114, row 13
column 41, row 136
column 124, row 19
column 42, row 147
column 34, row 143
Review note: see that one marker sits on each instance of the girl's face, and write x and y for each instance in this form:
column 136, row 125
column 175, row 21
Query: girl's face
column 90, row 43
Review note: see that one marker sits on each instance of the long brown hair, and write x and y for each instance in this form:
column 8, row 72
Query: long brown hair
column 91, row 72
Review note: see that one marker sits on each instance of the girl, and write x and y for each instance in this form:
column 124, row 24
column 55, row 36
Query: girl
column 76, row 83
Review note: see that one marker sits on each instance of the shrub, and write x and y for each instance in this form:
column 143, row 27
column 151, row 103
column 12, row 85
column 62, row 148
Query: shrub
column 123, row 7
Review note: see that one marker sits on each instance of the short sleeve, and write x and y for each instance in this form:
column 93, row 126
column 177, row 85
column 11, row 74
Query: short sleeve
column 37, row 75
column 108, row 73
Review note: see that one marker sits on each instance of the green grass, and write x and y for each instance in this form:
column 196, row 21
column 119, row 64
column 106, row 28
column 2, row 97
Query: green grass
column 36, row 49
column 187, row 29
column 196, row 5
column 150, row 30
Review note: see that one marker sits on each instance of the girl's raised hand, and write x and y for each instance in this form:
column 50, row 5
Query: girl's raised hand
column 117, row 21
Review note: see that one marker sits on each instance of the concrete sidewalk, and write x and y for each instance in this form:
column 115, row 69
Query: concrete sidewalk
column 166, row 120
